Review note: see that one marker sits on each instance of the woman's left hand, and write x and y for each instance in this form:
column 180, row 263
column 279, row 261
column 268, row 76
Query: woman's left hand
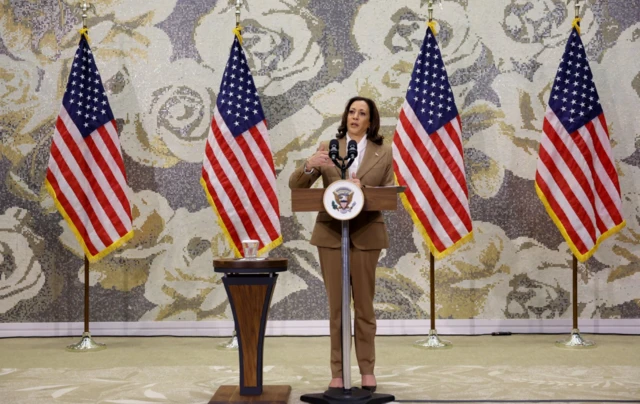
column 355, row 180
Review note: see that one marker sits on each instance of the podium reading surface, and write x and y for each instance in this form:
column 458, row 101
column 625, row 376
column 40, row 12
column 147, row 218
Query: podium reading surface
column 375, row 198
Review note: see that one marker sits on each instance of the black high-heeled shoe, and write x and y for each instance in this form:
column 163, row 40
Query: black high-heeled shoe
column 370, row 388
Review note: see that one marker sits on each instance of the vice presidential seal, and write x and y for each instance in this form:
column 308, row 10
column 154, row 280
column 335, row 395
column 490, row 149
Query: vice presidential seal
column 343, row 200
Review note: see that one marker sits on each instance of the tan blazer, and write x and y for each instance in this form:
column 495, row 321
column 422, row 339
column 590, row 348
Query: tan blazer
column 368, row 231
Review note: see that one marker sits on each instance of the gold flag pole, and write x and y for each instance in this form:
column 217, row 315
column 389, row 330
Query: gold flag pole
column 238, row 5
column 232, row 343
column 86, row 344
column 575, row 341
column 432, row 341
column 84, row 7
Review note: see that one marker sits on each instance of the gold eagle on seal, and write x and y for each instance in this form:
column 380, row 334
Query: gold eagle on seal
column 343, row 200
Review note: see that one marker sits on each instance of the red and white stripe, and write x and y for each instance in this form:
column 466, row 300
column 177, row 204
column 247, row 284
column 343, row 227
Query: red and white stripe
column 89, row 183
column 578, row 179
column 239, row 176
column 431, row 167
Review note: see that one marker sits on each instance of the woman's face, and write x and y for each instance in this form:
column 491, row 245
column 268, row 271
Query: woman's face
column 358, row 119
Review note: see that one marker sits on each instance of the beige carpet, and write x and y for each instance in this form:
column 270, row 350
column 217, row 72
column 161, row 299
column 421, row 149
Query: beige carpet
column 189, row 370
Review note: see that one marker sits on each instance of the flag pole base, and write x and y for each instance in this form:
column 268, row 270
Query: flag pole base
column 433, row 342
column 86, row 344
column 576, row 341
column 231, row 344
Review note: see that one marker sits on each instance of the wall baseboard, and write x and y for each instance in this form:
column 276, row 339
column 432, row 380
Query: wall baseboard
column 318, row 327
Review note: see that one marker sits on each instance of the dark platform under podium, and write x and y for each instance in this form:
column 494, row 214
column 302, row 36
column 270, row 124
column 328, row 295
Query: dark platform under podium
column 353, row 395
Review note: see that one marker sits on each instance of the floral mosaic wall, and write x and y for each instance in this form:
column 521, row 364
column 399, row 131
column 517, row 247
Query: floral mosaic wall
column 162, row 61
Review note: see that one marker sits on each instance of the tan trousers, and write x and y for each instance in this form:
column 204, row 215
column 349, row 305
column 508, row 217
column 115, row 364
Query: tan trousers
column 363, row 281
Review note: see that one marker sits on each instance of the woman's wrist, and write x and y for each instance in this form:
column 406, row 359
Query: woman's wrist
column 307, row 168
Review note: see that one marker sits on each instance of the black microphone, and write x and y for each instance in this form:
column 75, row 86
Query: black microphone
column 333, row 150
column 352, row 149
column 352, row 152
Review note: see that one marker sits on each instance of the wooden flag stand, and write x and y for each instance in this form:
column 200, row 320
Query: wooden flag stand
column 86, row 344
column 433, row 341
column 575, row 341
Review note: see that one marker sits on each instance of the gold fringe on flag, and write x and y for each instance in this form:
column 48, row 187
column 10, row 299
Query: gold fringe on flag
column 416, row 221
column 581, row 257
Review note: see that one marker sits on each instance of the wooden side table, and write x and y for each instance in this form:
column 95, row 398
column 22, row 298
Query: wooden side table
column 249, row 284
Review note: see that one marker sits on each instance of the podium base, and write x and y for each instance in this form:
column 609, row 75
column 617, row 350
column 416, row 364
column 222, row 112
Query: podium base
column 270, row 395
column 353, row 396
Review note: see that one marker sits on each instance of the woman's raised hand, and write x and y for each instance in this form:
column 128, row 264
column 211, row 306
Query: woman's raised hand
column 320, row 158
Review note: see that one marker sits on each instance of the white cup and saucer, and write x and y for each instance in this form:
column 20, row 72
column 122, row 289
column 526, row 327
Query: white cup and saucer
column 250, row 250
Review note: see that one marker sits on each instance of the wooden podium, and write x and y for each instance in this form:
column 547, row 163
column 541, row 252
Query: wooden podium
column 375, row 199
column 249, row 284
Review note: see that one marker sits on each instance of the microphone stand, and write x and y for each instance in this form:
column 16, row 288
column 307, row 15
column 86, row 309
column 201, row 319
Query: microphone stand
column 343, row 164
column 346, row 394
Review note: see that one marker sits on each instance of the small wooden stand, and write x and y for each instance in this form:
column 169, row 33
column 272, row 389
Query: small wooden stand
column 249, row 285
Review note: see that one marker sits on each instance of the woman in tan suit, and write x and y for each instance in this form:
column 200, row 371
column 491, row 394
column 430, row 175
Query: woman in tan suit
column 373, row 167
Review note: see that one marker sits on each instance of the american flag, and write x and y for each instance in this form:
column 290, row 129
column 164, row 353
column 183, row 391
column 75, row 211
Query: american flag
column 238, row 174
column 576, row 178
column 85, row 175
column 428, row 156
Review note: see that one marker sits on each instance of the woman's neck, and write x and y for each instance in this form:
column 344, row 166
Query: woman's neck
column 357, row 138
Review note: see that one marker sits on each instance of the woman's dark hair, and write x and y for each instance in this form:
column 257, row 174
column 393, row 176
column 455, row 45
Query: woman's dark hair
column 374, row 121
